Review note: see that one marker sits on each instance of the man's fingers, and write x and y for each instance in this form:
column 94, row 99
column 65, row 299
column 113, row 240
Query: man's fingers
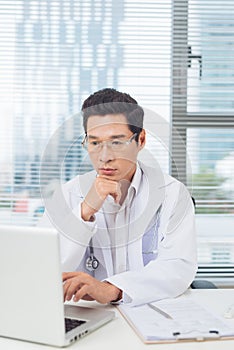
column 73, row 282
column 66, row 294
column 67, row 275
column 80, row 275
column 65, row 289
column 82, row 292
column 106, row 186
column 70, row 288
column 101, row 188
column 84, row 286
column 118, row 194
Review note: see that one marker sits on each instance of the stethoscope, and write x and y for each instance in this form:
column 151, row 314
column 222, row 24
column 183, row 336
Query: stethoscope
column 92, row 262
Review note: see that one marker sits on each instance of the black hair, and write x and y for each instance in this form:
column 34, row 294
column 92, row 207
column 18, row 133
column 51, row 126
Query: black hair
column 111, row 101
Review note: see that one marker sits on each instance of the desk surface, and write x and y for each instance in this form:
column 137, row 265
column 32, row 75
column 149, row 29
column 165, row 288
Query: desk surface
column 117, row 334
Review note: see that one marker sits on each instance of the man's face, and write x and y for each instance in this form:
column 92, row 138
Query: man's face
column 109, row 162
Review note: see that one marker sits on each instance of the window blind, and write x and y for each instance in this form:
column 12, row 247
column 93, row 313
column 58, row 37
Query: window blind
column 56, row 53
column 203, row 118
column 174, row 57
column 202, row 101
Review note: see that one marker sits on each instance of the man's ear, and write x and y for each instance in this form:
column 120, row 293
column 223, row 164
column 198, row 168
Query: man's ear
column 142, row 138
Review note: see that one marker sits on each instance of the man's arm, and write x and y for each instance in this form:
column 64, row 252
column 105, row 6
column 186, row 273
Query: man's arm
column 71, row 219
column 80, row 285
column 171, row 273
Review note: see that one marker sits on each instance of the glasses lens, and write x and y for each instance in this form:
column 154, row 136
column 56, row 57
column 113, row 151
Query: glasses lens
column 118, row 145
column 94, row 146
column 115, row 145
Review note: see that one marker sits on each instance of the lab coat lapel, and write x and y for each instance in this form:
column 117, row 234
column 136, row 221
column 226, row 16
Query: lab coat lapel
column 138, row 226
column 102, row 242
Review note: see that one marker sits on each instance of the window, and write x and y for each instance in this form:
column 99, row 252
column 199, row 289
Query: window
column 203, row 115
column 174, row 57
column 55, row 53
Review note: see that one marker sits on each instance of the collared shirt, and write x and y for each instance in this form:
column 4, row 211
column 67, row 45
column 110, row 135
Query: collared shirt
column 117, row 218
column 119, row 221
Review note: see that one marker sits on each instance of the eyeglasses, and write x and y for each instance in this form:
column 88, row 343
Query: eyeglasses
column 115, row 145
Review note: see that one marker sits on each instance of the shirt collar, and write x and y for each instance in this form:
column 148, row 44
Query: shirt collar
column 136, row 181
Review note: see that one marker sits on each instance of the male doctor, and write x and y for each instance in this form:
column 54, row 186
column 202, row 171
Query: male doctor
column 127, row 230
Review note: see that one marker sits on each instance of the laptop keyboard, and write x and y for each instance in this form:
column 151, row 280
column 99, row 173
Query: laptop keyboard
column 71, row 324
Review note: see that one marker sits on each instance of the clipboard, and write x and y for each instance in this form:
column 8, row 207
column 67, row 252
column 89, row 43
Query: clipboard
column 176, row 320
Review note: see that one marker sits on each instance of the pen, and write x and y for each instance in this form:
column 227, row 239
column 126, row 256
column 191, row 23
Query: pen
column 161, row 312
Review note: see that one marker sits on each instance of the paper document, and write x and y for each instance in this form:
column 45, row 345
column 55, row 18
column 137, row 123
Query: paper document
column 175, row 319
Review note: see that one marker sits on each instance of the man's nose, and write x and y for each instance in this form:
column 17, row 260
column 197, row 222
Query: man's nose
column 106, row 153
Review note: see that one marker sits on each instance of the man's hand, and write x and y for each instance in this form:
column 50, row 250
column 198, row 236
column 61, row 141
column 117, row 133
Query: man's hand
column 101, row 188
column 80, row 285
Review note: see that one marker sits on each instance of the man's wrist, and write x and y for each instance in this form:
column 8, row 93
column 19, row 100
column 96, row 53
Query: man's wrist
column 85, row 212
column 118, row 292
column 120, row 296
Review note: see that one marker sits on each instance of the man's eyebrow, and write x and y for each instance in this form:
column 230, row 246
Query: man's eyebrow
column 119, row 136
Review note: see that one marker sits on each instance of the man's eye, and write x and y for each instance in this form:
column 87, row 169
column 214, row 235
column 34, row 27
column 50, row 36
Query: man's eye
column 117, row 142
column 94, row 143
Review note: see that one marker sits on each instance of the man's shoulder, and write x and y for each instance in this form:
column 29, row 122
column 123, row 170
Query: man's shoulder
column 157, row 176
column 165, row 182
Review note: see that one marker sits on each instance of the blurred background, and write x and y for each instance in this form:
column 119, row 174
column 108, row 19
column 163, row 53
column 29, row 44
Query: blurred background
column 174, row 57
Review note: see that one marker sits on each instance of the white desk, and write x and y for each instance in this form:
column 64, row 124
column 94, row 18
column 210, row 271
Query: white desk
column 117, row 334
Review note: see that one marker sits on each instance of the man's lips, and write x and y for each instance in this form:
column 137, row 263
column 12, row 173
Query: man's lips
column 106, row 171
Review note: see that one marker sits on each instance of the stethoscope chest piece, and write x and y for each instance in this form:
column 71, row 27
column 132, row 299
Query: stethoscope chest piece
column 92, row 263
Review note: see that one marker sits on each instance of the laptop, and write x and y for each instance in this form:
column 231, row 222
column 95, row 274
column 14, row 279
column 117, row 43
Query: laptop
column 31, row 291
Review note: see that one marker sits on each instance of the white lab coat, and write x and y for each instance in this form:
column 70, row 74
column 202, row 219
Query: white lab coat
column 166, row 216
